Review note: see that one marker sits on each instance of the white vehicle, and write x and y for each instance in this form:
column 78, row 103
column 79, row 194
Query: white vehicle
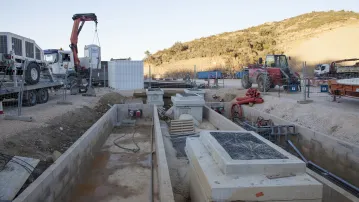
column 20, row 56
column 61, row 61
column 14, row 50
column 322, row 69
column 338, row 70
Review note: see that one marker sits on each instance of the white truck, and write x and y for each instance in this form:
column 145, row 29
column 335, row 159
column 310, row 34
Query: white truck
column 61, row 61
column 22, row 59
column 337, row 70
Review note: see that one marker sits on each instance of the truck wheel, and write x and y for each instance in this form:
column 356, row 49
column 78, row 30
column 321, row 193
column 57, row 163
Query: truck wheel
column 32, row 74
column 245, row 81
column 42, row 96
column 31, row 98
column 264, row 82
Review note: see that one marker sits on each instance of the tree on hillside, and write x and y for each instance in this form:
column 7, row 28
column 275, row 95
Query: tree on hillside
column 147, row 53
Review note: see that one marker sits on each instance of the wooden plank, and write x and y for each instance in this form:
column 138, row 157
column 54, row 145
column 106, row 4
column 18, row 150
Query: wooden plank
column 13, row 176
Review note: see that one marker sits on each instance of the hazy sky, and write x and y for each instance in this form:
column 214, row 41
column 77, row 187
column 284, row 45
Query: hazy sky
column 129, row 28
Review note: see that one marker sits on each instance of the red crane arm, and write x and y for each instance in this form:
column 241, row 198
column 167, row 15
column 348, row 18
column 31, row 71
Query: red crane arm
column 79, row 18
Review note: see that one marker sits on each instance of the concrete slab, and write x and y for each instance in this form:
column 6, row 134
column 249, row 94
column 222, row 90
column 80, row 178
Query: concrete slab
column 216, row 186
column 286, row 165
column 14, row 175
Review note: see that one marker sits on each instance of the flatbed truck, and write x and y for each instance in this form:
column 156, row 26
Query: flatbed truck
column 23, row 69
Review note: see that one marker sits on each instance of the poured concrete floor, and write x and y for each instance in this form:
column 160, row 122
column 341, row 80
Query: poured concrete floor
column 118, row 174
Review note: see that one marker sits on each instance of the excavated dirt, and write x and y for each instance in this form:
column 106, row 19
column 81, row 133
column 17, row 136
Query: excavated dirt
column 58, row 134
column 109, row 99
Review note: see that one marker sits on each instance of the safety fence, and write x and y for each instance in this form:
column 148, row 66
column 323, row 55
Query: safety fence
column 13, row 97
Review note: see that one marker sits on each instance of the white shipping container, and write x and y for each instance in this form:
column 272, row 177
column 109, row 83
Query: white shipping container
column 125, row 74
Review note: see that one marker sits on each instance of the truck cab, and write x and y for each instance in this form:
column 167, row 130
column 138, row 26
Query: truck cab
column 60, row 61
column 321, row 69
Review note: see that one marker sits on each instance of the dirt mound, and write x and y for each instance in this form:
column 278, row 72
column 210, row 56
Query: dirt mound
column 109, row 99
column 60, row 132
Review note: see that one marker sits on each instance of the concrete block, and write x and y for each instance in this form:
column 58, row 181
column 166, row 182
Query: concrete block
column 192, row 105
column 155, row 96
column 217, row 186
column 230, row 166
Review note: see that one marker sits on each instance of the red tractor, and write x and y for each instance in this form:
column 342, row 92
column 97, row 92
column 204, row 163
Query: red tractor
column 275, row 71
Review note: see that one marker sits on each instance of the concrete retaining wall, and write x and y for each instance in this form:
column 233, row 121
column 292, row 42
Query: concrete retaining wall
column 56, row 183
column 164, row 181
column 336, row 156
column 331, row 192
column 226, row 105
column 122, row 109
column 219, row 121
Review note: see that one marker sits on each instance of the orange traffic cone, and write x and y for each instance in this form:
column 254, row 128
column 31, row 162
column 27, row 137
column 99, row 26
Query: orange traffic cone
column 1, row 109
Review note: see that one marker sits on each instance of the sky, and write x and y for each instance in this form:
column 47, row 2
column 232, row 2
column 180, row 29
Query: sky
column 127, row 28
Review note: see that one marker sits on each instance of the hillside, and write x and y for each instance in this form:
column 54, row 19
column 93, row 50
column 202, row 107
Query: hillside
column 313, row 37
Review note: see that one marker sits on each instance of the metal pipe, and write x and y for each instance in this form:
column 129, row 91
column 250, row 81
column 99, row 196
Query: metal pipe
column 325, row 173
column 304, row 84
column 349, row 187
column 297, row 151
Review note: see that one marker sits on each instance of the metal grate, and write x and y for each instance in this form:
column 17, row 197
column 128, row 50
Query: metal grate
column 29, row 47
column 37, row 53
column 245, row 146
column 17, row 46
column 3, row 44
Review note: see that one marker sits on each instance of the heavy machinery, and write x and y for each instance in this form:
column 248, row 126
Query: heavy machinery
column 23, row 70
column 14, row 51
column 61, row 63
column 275, row 71
column 82, row 72
column 336, row 70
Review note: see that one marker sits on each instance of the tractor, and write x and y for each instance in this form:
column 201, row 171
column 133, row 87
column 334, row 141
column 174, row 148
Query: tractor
column 275, row 71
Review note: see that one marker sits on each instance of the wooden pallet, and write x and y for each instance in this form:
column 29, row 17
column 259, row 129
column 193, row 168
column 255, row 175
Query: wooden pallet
column 181, row 127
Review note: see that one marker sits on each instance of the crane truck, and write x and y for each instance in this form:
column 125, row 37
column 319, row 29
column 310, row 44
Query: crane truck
column 62, row 64
column 82, row 71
